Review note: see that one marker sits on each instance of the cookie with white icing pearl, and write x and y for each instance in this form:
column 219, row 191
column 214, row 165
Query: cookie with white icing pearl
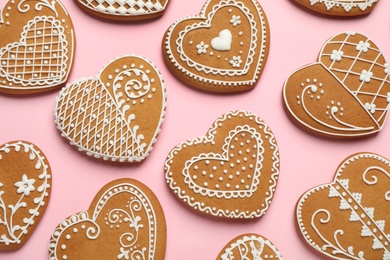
column 36, row 46
column 346, row 93
column 349, row 218
column 25, row 185
column 116, row 115
column 231, row 172
column 223, row 49
column 124, row 221
column 249, row 247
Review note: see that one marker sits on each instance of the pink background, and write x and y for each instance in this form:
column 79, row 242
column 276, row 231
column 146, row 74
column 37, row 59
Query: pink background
column 297, row 36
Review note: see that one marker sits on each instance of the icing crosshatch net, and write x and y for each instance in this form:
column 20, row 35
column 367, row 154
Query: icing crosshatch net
column 340, row 7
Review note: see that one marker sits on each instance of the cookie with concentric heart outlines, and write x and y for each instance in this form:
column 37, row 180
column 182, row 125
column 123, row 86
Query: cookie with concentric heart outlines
column 231, row 172
column 36, row 46
column 223, row 49
column 340, row 7
column 349, row 218
column 124, row 221
column 117, row 115
column 346, row 93
column 25, row 184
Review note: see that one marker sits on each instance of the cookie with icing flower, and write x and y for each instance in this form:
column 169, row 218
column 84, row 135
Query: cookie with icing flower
column 346, row 93
column 223, row 49
column 36, row 46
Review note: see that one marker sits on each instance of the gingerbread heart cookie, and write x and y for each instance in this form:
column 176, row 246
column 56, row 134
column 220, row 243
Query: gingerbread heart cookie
column 346, row 93
column 117, row 115
column 223, row 49
column 231, row 172
column 25, row 183
column 340, row 7
column 348, row 218
column 124, row 9
column 249, row 247
column 124, row 221
column 36, row 46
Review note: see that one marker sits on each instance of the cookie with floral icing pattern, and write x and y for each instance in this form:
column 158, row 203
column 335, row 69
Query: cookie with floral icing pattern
column 223, row 49
column 117, row 115
column 36, row 46
column 231, row 172
column 124, row 221
column 349, row 218
column 25, row 184
column 340, row 7
column 346, row 93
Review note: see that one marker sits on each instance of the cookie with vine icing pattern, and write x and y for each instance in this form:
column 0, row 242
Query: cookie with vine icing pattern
column 223, row 49
column 36, row 46
column 349, row 218
column 346, row 93
column 231, row 172
column 249, row 247
column 124, row 221
column 25, row 184
column 116, row 115
column 340, row 7
column 124, row 9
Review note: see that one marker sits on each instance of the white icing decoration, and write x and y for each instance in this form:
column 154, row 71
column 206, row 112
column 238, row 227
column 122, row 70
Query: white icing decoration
column 375, row 179
column 202, row 47
column 336, row 55
column 38, row 6
column 236, row 20
column 223, row 42
column 236, row 61
column 347, row 5
column 366, row 76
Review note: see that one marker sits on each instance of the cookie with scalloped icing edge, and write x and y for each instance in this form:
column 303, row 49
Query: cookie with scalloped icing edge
column 346, row 93
column 340, row 7
column 36, row 47
column 349, row 217
column 25, row 185
column 231, row 172
column 223, row 49
column 124, row 9
column 124, row 221
column 116, row 115
column 249, row 247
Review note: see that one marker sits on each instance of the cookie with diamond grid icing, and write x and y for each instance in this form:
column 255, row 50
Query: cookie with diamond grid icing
column 116, row 115
column 36, row 46
column 346, row 93
column 124, row 9
column 231, row 172
column 349, row 217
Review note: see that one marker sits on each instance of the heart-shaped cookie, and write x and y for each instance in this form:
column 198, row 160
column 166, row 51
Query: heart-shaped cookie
column 223, row 49
column 349, row 218
column 125, row 221
column 25, row 183
column 231, row 172
column 346, row 93
column 117, row 115
column 340, row 7
column 249, row 247
column 36, row 47
column 124, row 9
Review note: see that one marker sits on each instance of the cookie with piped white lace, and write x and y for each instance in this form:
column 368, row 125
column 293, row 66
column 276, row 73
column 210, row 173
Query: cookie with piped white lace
column 116, row 115
column 340, row 7
column 231, row 172
column 349, row 218
column 346, row 93
column 25, row 184
column 249, row 247
column 36, row 46
column 223, row 49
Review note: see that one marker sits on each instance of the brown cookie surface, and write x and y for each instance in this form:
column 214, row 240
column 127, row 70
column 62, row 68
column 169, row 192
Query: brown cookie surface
column 340, row 7
column 25, row 184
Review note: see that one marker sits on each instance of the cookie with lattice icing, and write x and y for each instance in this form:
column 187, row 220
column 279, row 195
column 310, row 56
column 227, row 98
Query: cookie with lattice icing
column 231, row 172
column 349, row 218
column 124, row 9
column 223, row 49
column 340, row 7
column 116, row 115
column 36, row 46
column 124, row 221
column 25, row 184
column 249, row 247
column 346, row 93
